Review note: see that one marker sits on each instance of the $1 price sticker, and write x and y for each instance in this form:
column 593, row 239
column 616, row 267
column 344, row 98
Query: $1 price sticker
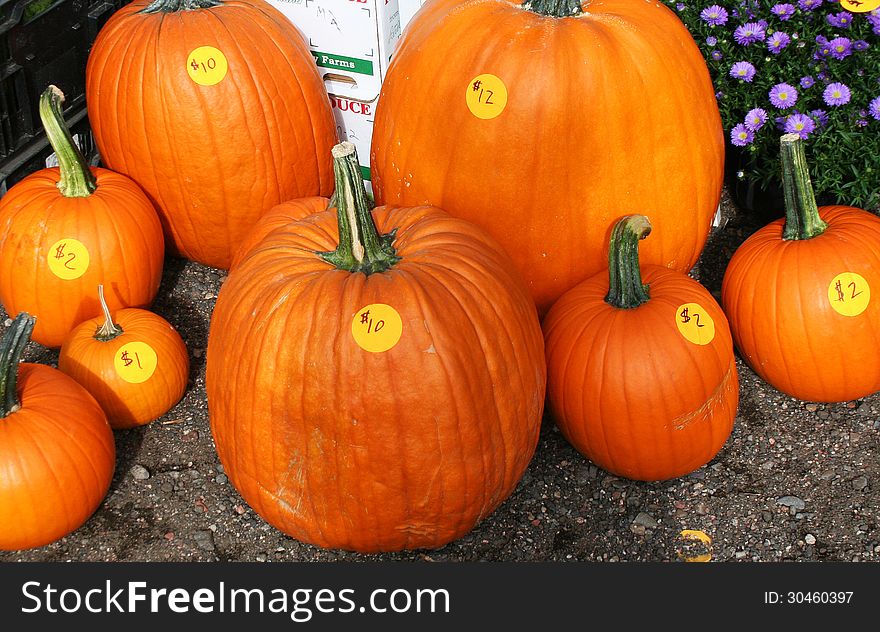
column 860, row 6
column 135, row 362
column 68, row 259
column 486, row 96
column 207, row 66
column 376, row 327
column 849, row 293
column 695, row 324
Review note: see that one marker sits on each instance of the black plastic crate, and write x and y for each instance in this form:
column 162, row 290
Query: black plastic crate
column 43, row 42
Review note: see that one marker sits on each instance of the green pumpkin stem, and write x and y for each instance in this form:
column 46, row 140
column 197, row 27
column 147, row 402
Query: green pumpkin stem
column 171, row 6
column 626, row 289
column 554, row 8
column 11, row 347
column 77, row 179
column 361, row 247
column 109, row 330
column 802, row 219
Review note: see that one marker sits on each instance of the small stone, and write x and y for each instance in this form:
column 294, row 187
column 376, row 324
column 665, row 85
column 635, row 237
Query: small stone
column 221, row 479
column 637, row 529
column 197, row 352
column 766, row 516
column 239, row 509
column 190, row 435
column 792, row 502
column 812, row 407
column 204, row 539
column 860, row 483
column 741, row 554
column 646, row 520
column 810, row 538
column 139, row 473
column 167, row 487
column 261, row 557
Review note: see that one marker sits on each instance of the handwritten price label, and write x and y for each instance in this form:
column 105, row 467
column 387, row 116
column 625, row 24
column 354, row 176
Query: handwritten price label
column 695, row 324
column 207, row 66
column 68, row 259
column 376, row 327
column 135, row 362
column 849, row 294
column 486, row 96
column 860, row 6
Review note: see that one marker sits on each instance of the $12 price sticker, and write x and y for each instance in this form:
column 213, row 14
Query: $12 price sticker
column 207, row 66
column 860, row 6
column 849, row 293
column 695, row 324
column 376, row 327
column 68, row 259
column 135, row 362
column 486, row 96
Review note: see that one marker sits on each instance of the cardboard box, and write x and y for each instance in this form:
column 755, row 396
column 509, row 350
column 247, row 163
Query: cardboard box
column 352, row 42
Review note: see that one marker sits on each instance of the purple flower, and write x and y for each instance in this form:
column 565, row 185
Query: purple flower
column 742, row 70
column 860, row 45
column 755, row 119
column 820, row 116
column 841, row 47
column 717, row 55
column 809, row 5
column 800, row 124
column 783, row 11
column 711, row 40
column 777, row 42
column 783, row 96
column 822, row 76
column 840, row 20
column 836, row 94
column 714, row 15
column 741, row 136
column 749, row 33
column 861, row 123
column 874, row 108
column 807, row 82
column 680, row 6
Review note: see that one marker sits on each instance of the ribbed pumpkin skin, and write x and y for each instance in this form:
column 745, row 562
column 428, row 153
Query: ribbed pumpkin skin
column 613, row 109
column 57, row 457
column 775, row 294
column 408, row 448
column 628, row 390
column 91, row 363
column 118, row 226
column 212, row 158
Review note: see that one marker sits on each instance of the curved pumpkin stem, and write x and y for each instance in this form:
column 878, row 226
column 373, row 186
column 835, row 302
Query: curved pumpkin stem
column 361, row 247
column 626, row 289
column 554, row 8
column 109, row 330
column 802, row 219
column 11, row 347
column 77, row 179
column 170, row 6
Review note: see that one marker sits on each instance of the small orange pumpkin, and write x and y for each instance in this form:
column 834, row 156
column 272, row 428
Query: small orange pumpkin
column 136, row 367
column 57, row 452
column 641, row 376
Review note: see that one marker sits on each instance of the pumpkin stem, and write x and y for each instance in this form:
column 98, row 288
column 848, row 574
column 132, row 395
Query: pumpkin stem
column 77, row 179
column 626, row 289
column 802, row 219
column 109, row 330
column 11, row 347
column 361, row 247
column 170, row 6
column 554, row 8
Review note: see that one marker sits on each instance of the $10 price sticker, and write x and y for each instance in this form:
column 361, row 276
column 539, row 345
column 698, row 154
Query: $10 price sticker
column 695, row 324
column 376, row 327
column 207, row 66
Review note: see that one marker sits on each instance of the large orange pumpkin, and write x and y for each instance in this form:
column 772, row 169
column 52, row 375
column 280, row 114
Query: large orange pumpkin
column 540, row 121
column 57, row 453
column 640, row 368
column 66, row 229
column 380, row 390
column 216, row 109
column 798, row 293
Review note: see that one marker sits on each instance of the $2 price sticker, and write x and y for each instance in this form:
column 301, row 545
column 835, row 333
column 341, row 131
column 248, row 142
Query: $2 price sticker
column 486, row 96
column 68, row 259
column 849, row 293
column 695, row 324
column 376, row 327
column 860, row 6
column 207, row 66
column 135, row 362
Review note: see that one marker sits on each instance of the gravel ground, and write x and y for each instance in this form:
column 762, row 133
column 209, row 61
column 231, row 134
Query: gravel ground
column 795, row 481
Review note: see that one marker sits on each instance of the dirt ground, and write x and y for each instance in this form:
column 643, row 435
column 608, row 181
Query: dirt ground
column 795, row 481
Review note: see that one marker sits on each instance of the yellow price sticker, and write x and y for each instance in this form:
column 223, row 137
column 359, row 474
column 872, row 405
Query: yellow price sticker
column 860, row 6
column 207, row 66
column 68, row 259
column 376, row 327
column 695, row 324
column 135, row 362
column 849, row 293
column 486, row 96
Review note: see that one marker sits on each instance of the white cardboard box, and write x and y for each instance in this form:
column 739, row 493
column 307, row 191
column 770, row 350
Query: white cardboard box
column 352, row 42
